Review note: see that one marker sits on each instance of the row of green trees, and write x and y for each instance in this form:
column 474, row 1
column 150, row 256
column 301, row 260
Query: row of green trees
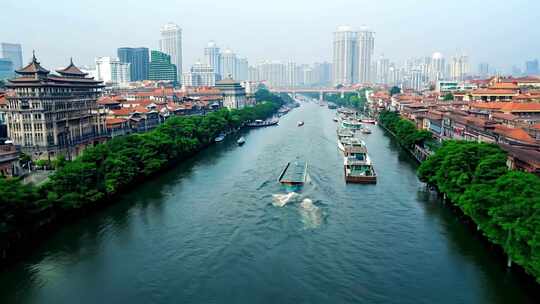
column 350, row 100
column 405, row 130
column 105, row 169
column 505, row 204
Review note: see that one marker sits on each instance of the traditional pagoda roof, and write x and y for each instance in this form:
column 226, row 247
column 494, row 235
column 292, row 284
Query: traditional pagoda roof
column 33, row 68
column 71, row 70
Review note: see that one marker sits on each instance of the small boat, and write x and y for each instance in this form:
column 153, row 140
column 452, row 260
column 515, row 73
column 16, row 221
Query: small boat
column 366, row 131
column 300, row 123
column 335, row 119
column 241, row 141
column 369, row 121
column 220, row 138
column 262, row 123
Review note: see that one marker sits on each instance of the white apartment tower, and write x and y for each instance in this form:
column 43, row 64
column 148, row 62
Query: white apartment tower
column 228, row 64
column 113, row 72
column 345, row 56
column 212, row 58
column 366, row 45
column 459, row 67
column 171, row 44
column 437, row 67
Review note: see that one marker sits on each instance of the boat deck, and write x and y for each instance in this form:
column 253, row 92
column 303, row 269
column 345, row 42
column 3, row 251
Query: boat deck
column 294, row 173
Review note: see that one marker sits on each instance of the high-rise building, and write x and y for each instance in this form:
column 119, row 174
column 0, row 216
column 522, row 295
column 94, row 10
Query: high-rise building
column 323, row 73
column 6, row 68
column 200, row 75
column 366, row 45
column 292, row 74
column 52, row 114
column 171, row 44
column 459, row 67
column 483, row 69
column 161, row 67
column 253, row 74
column 139, row 61
column 212, row 57
column 437, row 67
column 228, row 64
column 532, row 67
column 12, row 51
column 383, row 66
column 274, row 73
column 112, row 71
column 345, row 56
column 242, row 67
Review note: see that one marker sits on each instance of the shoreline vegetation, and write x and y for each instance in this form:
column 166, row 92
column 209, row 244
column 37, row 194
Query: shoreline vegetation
column 108, row 169
column 503, row 204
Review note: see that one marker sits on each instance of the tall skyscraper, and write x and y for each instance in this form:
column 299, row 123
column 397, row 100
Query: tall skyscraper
column 13, row 52
column 228, row 64
column 138, row 58
column 292, row 75
column 200, row 75
column 171, row 44
column 459, row 67
column 212, row 58
column 532, row 67
column 345, row 56
column 437, row 67
column 161, row 67
column 366, row 45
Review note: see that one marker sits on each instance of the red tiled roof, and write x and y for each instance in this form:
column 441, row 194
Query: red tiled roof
column 514, row 133
column 504, row 85
column 494, row 92
column 503, row 116
column 521, row 107
column 114, row 121
column 106, row 100
column 488, row 105
column 122, row 112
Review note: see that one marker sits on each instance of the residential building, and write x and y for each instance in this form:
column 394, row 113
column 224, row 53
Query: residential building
column 228, row 64
column 200, row 75
column 242, row 69
column 345, row 56
column 366, row 45
column 382, row 70
column 459, row 68
column 171, row 44
column 12, row 51
column 112, row 71
column 139, row 61
column 483, row 70
column 234, row 95
column 50, row 114
column 161, row 67
column 437, row 67
column 212, row 58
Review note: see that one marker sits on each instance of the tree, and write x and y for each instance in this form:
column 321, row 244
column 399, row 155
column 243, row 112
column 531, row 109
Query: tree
column 395, row 90
column 448, row 97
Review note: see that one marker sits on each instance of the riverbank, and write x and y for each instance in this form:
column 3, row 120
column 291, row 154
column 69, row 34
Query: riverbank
column 502, row 204
column 92, row 180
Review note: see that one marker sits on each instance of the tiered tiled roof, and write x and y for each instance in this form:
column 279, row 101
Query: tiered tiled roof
column 514, row 133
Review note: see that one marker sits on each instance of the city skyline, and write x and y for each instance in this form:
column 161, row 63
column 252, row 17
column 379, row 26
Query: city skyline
column 306, row 27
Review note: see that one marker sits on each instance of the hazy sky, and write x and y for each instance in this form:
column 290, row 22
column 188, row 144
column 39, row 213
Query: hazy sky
column 501, row 32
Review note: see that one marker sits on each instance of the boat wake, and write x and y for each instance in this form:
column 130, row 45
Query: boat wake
column 280, row 200
column 311, row 214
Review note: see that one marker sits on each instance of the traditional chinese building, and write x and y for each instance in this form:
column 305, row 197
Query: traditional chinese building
column 50, row 114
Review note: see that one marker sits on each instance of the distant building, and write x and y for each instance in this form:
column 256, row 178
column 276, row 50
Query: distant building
column 459, row 67
column 212, row 58
column 171, row 44
column 200, row 75
column 161, row 67
column 242, row 67
column 139, row 61
column 6, row 68
column 52, row 114
column 483, row 69
column 345, row 63
column 228, row 64
column 532, row 67
column 366, row 45
column 112, row 71
column 437, row 67
column 234, row 95
column 12, row 51
column 382, row 70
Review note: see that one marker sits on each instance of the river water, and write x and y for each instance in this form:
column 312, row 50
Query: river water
column 211, row 231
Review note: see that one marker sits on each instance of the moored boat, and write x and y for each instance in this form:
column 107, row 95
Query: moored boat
column 220, row 138
column 241, row 141
column 366, row 130
column 262, row 123
column 357, row 165
column 300, row 123
column 369, row 121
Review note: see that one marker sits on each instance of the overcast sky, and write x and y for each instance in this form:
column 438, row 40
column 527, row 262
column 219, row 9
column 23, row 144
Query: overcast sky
column 501, row 32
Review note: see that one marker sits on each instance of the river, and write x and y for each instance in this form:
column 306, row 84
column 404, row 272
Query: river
column 209, row 231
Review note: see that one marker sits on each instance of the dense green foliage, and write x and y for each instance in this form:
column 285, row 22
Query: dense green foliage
column 504, row 204
column 394, row 91
column 106, row 169
column 448, row 97
column 349, row 100
column 406, row 132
